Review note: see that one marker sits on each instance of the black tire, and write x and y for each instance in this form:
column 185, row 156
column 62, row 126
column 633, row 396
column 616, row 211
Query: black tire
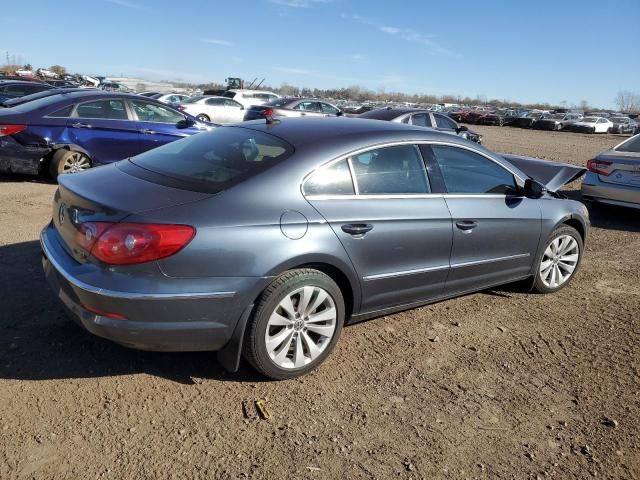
column 60, row 162
column 255, row 349
column 563, row 230
column 203, row 118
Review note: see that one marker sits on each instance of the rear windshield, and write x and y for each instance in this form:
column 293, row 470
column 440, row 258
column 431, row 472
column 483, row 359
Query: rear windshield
column 631, row 145
column 214, row 161
column 279, row 102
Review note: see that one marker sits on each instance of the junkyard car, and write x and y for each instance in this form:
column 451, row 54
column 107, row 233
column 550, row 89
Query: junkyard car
column 293, row 107
column 557, row 121
column 592, row 125
column 266, row 237
column 614, row 175
column 70, row 132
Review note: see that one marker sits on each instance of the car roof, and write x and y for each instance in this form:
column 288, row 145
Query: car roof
column 22, row 82
column 337, row 130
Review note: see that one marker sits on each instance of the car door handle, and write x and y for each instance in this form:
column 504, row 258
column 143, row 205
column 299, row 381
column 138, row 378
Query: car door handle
column 81, row 125
column 147, row 131
column 357, row 228
column 466, row 225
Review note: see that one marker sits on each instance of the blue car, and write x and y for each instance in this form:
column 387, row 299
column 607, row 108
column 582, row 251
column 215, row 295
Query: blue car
column 73, row 131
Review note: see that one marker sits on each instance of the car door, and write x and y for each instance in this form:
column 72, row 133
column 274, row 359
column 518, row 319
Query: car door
column 215, row 108
column 495, row 230
column 396, row 232
column 104, row 129
column 234, row 111
column 157, row 124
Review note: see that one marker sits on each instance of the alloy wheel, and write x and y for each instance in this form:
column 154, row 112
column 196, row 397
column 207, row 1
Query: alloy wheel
column 75, row 162
column 559, row 261
column 301, row 327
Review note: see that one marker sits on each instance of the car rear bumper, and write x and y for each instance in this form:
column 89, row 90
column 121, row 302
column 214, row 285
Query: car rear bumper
column 17, row 158
column 157, row 319
column 598, row 191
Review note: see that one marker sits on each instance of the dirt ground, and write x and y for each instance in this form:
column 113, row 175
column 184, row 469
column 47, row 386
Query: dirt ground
column 517, row 385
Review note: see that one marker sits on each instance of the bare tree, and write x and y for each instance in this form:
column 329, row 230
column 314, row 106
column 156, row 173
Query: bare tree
column 58, row 70
column 627, row 101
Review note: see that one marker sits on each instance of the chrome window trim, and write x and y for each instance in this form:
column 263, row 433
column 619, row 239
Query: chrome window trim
column 374, row 197
column 118, row 294
column 518, row 178
column 381, row 276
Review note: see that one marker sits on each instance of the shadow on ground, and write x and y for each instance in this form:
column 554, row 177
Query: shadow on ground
column 38, row 341
column 609, row 217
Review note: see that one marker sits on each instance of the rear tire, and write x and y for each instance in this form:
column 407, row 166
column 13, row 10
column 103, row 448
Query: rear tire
column 203, row 118
column 68, row 161
column 296, row 324
column 559, row 260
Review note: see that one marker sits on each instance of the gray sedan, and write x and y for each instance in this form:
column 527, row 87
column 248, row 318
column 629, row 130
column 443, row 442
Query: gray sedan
column 293, row 107
column 614, row 175
column 264, row 239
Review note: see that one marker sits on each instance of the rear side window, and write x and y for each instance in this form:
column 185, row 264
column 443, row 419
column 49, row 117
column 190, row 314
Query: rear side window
column 467, row 172
column 215, row 101
column 390, row 170
column 214, row 161
column 332, row 180
column 105, row 109
column 62, row 113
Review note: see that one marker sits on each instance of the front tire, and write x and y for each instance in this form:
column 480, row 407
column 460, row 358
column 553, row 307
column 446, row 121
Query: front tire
column 296, row 324
column 203, row 118
column 68, row 161
column 560, row 259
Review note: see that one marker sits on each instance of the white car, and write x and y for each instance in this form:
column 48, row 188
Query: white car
column 209, row 108
column 593, row 125
column 170, row 98
column 251, row 97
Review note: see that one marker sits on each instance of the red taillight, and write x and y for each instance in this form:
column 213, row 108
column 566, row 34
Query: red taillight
column 601, row 167
column 6, row 130
column 102, row 313
column 267, row 112
column 129, row 243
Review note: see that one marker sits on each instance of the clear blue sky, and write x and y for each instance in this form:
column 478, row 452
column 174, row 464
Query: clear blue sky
column 543, row 50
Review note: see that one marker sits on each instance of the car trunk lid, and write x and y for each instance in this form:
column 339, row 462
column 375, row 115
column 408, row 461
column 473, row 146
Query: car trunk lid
column 624, row 168
column 106, row 194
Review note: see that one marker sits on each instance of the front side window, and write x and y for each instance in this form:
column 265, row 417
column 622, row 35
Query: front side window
column 467, row 172
column 444, row 122
column 103, row 109
column 332, row 180
column 421, row 120
column 390, row 170
column 151, row 112
column 330, row 109
column 216, row 160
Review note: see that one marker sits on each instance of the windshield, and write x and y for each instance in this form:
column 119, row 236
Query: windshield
column 557, row 116
column 218, row 159
column 278, row 102
column 589, row 119
column 631, row 145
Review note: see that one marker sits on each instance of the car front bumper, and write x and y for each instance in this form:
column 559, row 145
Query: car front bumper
column 596, row 190
column 156, row 319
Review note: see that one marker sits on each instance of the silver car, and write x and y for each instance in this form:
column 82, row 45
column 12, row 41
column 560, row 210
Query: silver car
column 263, row 239
column 293, row 107
column 614, row 175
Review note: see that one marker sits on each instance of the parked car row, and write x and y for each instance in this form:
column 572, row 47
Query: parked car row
column 571, row 121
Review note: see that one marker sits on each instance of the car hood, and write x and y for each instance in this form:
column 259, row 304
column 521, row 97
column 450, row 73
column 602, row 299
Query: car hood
column 553, row 175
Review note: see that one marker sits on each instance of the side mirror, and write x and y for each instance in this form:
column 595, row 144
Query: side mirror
column 461, row 128
column 533, row 189
column 185, row 123
column 340, row 113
